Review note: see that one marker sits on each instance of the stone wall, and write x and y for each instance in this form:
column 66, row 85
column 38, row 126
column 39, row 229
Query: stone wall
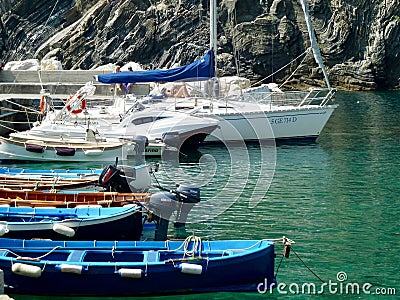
column 359, row 39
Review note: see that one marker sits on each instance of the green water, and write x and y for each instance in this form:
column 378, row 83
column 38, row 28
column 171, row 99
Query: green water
column 338, row 199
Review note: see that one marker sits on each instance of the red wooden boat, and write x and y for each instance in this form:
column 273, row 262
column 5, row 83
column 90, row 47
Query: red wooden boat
column 69, row 199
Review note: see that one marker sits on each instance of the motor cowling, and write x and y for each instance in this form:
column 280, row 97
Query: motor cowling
column 111, row 179
column 141, row 142
column 188, row 194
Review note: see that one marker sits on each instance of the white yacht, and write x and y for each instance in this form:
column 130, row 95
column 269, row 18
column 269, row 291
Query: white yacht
column 249, row 114
column 257, row 113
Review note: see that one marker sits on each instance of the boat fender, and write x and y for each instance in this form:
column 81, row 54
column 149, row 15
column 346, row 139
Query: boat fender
column 34, row 148
column 286, row 251
column 3, row 229
column 66, row 268
column 64, row 230
column 287, row 245
column 65, row 151
column 190, row 268
column 27, row 270
column 131, row 273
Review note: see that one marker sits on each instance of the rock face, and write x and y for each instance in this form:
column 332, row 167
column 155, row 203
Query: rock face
column 359, row 39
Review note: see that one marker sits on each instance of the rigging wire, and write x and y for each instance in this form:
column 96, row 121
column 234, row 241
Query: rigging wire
column 298, row 67
column 280, row 69
column 54, row 7
column 236, row 52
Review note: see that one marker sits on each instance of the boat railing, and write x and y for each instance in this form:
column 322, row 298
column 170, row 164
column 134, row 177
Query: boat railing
column 319, row 97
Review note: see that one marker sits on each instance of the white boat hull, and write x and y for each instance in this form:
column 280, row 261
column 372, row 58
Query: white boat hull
column 15, row 150
column 300, row 123
column 154, row 149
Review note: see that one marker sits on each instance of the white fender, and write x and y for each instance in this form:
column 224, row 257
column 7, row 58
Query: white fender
column 27, row 270
column 3, row 228
column 191, row 268
column 130, row 273
column 66, row 268
column 64, row 230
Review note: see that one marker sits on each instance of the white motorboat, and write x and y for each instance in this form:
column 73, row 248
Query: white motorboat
column 160, row 127
column 176, row 129
column 77, row 123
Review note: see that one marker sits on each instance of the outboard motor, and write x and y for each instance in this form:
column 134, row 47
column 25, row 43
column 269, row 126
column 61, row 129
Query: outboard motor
column 126, row 179
column 111, row 179
column 141, row 143
column 189, row 196
column 161, row 204
column 164, row 203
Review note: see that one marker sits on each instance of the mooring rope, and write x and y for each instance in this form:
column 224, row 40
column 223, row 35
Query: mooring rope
column 277, row 269
column 20, row 105
column 308, row 267
column 44, row 255
column 185, row 245
column 10, row 109
column 30, row 258
column 196, row 243
column 8, row 128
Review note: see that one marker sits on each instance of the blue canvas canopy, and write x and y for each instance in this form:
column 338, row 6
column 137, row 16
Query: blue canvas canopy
column 200, row 69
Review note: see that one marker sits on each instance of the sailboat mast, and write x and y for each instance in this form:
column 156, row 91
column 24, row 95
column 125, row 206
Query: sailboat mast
column 213, row 31
column 313, row 40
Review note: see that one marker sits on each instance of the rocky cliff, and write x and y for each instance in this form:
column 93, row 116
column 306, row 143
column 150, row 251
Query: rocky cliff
column 359, row 39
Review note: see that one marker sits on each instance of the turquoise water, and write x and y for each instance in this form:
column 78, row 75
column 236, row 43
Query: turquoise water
column 338, row 199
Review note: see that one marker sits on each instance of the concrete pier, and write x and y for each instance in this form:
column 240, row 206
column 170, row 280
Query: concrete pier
column 20, row 89
column 65, row 82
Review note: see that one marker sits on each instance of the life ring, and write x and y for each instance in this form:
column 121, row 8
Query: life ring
column 78, row 110
column 42, row 105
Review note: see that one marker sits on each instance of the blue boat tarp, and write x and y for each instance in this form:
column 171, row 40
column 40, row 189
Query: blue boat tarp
column 201, row 69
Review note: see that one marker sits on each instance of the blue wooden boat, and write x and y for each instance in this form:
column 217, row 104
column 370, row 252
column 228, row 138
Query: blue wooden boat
column 46, row 179
column 40, row 173
column 79, row 223
column 15, row 182
column 137, row 178
column 99, row 268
